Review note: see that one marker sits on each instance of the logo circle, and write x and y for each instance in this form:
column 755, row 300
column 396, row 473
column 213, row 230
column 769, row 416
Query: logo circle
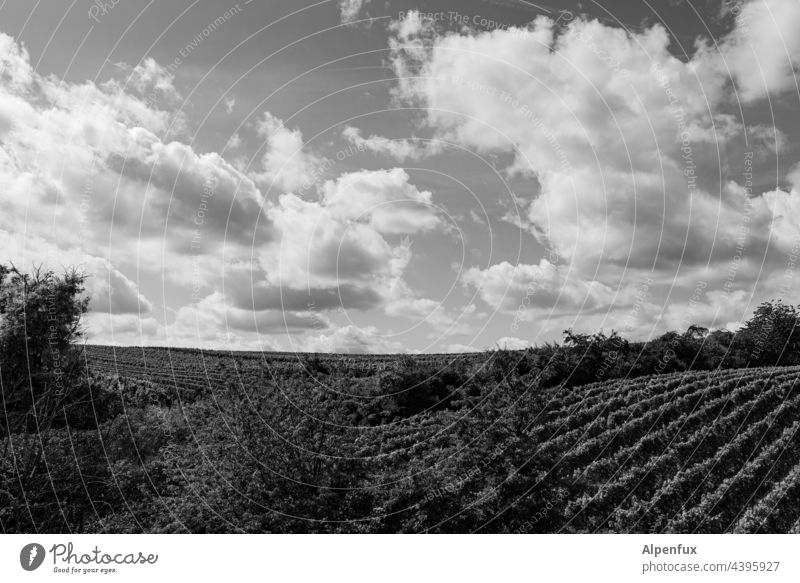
column 31, row 556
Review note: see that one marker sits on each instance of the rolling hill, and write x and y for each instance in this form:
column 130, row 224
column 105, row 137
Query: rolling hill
column 698, row 451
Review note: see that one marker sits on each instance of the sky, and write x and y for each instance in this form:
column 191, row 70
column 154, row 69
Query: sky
column 382, row 176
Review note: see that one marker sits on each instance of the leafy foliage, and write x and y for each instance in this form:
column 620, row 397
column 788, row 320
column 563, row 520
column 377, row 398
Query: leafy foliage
column 595, row 434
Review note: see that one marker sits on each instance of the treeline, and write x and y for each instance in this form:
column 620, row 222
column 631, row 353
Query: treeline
column 770, row 338
column 442, row 447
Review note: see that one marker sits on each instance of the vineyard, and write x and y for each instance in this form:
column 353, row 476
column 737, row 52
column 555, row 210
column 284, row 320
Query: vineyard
column 699, row 451
column 192, row 365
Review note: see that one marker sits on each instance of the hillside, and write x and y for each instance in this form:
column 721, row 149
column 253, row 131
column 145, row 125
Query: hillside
column 456, row 444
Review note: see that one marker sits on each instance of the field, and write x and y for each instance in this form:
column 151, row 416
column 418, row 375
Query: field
column 486, row 449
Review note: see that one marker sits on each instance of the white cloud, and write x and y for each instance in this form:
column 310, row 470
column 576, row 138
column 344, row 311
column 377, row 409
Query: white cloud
column 15, row 70
column 114, row 293
column 385, row 198
column 350, row 339
column 234, row 142
column 187, row 192
column 407, row 304
column 524, row 288
column 627, row 142
column 209, row 323
column 87, row 168
column 459, row 348
column 350, row 9
column 340, row 252
column 122, row 329
column 316, row 248
column 764, row 49
column 152, row 81
column 342, row 238
column 108, row 289
column 512, row 343
column 287, row 163
column 230, row 103
column 399, row 149
column 84, row 166
column 214, row 312
column 87, row 181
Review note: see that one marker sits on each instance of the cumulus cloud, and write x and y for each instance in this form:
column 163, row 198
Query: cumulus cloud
column 518, row 288
column 92, row 178
column 385, row 198
column 108, row 289
column 113, row 292
column 319, row 249
column 351, row 339
column 211, row 322
column 94, row 170
column 234, row 142
column 152, row 81
column 348, row 250
column 764, row 49
column 287, row 162
column 84, row 164
column 218, row 314
column 186, row 192
column 123, row 329
column 626, row 142
column 344, row 237
column 784, row 206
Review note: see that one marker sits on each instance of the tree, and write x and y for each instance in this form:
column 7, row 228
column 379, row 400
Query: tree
column 772, row 335
column 40, row 322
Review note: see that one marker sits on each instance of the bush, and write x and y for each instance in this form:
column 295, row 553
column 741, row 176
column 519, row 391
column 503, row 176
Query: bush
column 40, row 321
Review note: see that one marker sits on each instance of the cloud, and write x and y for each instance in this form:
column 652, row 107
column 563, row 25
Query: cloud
column 784, row 205
column 344, row 237
column 350, row 9
column 152, row 81
column 768, row 140
column 230, row 103
column 348, row 250
column 763, row 50
column 92, row 177
column 418, row 310
column 218, row 314
column 351, row 339
column 234, row 142
column 287, row 164
column 512, row 343
column 210, row 323
column 95, row 170
column 83, row 164
column 260, row 296
column 186, row 193
column 400, row 150
column 317, row 248
column 114, row 293
column 384, row 198
column 108, row 289
column 122, row 329
column 459, row 348
column 15, row 70
column 518, row 288
column 638, row 155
